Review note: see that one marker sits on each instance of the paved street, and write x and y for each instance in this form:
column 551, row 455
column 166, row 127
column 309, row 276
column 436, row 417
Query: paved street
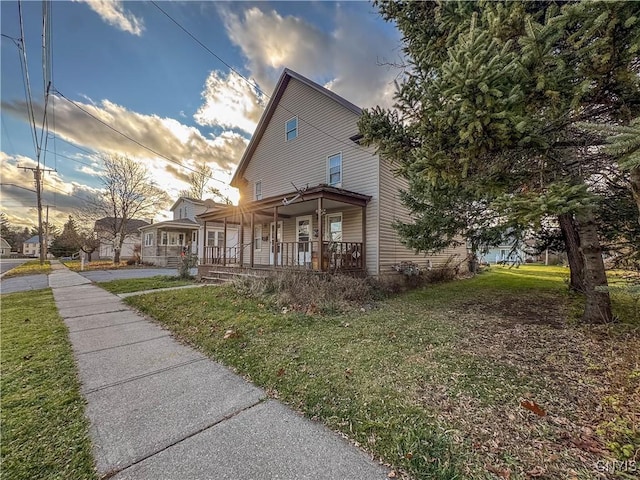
column 7, row 264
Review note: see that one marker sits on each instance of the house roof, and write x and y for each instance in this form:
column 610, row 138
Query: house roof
column 34, row 239
column 4, row 243
column 189, row 199
column 109, row 223
column 321, row 191
column 180, row 222
column 281, row 86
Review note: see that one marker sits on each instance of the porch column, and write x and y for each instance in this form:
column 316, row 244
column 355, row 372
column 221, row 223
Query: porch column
column 203, row 241
column 253, row 238
column 224, row 244
column 364, row 237
column 275, row 236
column 320, row 236
column 241, row 238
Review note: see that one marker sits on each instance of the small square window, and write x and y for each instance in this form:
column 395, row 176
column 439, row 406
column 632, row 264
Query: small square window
column 258, row 190
column 334, row 170
column 291, row 128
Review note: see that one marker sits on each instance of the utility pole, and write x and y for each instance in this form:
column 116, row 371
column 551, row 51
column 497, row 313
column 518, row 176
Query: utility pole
column 37, row 175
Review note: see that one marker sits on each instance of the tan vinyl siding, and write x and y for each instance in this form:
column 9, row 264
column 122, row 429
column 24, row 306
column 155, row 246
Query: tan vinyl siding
column 324, row 128
column 392, row 251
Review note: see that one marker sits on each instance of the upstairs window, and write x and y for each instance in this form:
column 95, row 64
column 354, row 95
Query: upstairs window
column 148, row 240
column 334, row 170
column 291, row 128
column 258, row 190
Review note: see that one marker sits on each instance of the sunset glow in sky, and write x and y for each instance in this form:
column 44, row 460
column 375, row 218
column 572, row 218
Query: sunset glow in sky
column 132, row 67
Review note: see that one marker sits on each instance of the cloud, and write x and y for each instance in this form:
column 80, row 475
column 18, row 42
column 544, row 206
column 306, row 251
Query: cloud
column 19, row 196
column 113, row 13
column 230, row 102
column 347, row 60
column 171, row 139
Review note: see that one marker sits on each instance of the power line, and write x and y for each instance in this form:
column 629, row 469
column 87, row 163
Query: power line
column 133, row 139
column 354, row 146
column 25, row 71
column 69, row 158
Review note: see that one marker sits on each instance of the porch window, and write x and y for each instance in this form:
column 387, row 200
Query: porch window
column 257, row 235
column 194, row 237
column 181, row 239
column 334, row 170
column 334, row 227
column 258, row 190
column 148, row 239
column 291, row 128
column 164, row 239
column 215, row 238
column 173, row 239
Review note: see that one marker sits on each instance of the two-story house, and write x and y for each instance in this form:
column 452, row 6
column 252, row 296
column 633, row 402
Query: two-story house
column 164, row 242
column 310, row 195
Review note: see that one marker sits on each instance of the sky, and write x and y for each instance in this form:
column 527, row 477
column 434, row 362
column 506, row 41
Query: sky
column 143, row 74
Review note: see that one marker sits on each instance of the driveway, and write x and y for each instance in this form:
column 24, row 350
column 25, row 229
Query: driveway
column 24, row 283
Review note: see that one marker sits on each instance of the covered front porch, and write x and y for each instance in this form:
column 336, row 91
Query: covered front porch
column 319, row 229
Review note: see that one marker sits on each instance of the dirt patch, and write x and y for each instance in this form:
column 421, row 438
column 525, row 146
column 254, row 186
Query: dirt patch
column 585, row 379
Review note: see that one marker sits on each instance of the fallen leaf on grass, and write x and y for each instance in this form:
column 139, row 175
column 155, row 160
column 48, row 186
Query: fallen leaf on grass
column 392, row 474
column 501, row 472
column 230, row 334
column 588, row 444
column 536, row 472
column 533, row 407
column 281, row 372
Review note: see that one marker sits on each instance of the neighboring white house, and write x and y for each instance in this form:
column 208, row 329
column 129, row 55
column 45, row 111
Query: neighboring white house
column 164, row 242
column 311, row 196
column 5, row 248
column 104, row 229
column 31, row 247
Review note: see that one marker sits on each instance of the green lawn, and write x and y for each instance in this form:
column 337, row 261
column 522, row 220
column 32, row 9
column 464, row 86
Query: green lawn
column 432, row 381
column 31, row 267
column 44, row 431
column 141, row 284
column 76, row 265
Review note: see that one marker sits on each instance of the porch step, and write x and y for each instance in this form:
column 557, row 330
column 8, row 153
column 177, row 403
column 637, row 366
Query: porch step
column 217, row 276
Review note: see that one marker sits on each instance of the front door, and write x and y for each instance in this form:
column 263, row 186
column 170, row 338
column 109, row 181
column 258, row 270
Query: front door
column 273, row 241
column 303, row 229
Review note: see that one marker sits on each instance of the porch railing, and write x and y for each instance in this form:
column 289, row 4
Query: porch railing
column 334, row 256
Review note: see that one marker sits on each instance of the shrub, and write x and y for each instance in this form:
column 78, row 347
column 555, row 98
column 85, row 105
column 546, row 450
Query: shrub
column 188, row 260
column 309, row 292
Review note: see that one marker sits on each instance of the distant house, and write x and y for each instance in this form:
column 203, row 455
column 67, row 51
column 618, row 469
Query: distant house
column 31, row 247
column 164, row 242
column 105, row 228
column 5, row 248
column 311, row 196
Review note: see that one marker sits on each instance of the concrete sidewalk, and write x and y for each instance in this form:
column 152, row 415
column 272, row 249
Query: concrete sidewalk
column 161, row 410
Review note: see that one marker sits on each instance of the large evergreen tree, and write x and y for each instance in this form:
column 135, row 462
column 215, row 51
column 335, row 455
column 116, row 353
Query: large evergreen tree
column 491, row 106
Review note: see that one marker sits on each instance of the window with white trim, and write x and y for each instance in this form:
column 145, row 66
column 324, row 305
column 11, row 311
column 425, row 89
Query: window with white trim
column 333, row 227
column 258, row 190
column 164, row 238
column 291, row 128
column 334, row 170
column 148, row 239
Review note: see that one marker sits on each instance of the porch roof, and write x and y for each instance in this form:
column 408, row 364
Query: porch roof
column 181, row 223
column 286, row 202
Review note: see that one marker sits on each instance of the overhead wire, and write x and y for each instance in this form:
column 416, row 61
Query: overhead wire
column 27, row 83
column 158, row 154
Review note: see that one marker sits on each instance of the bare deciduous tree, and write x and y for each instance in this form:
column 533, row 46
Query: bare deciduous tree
column 128, row 194
column 198, row 180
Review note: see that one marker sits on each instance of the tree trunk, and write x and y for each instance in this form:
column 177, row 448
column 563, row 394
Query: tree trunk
column 635, row 187
column 574, row 256
column 116, row 255
column 598, row 303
